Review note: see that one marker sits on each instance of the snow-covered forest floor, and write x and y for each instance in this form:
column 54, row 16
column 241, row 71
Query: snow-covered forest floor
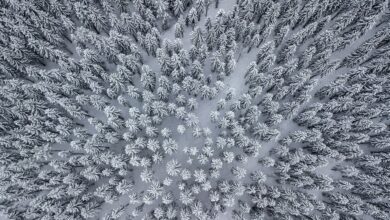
column 194, row 109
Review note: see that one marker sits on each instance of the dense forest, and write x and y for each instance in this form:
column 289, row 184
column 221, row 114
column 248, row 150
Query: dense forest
column 194, row 109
